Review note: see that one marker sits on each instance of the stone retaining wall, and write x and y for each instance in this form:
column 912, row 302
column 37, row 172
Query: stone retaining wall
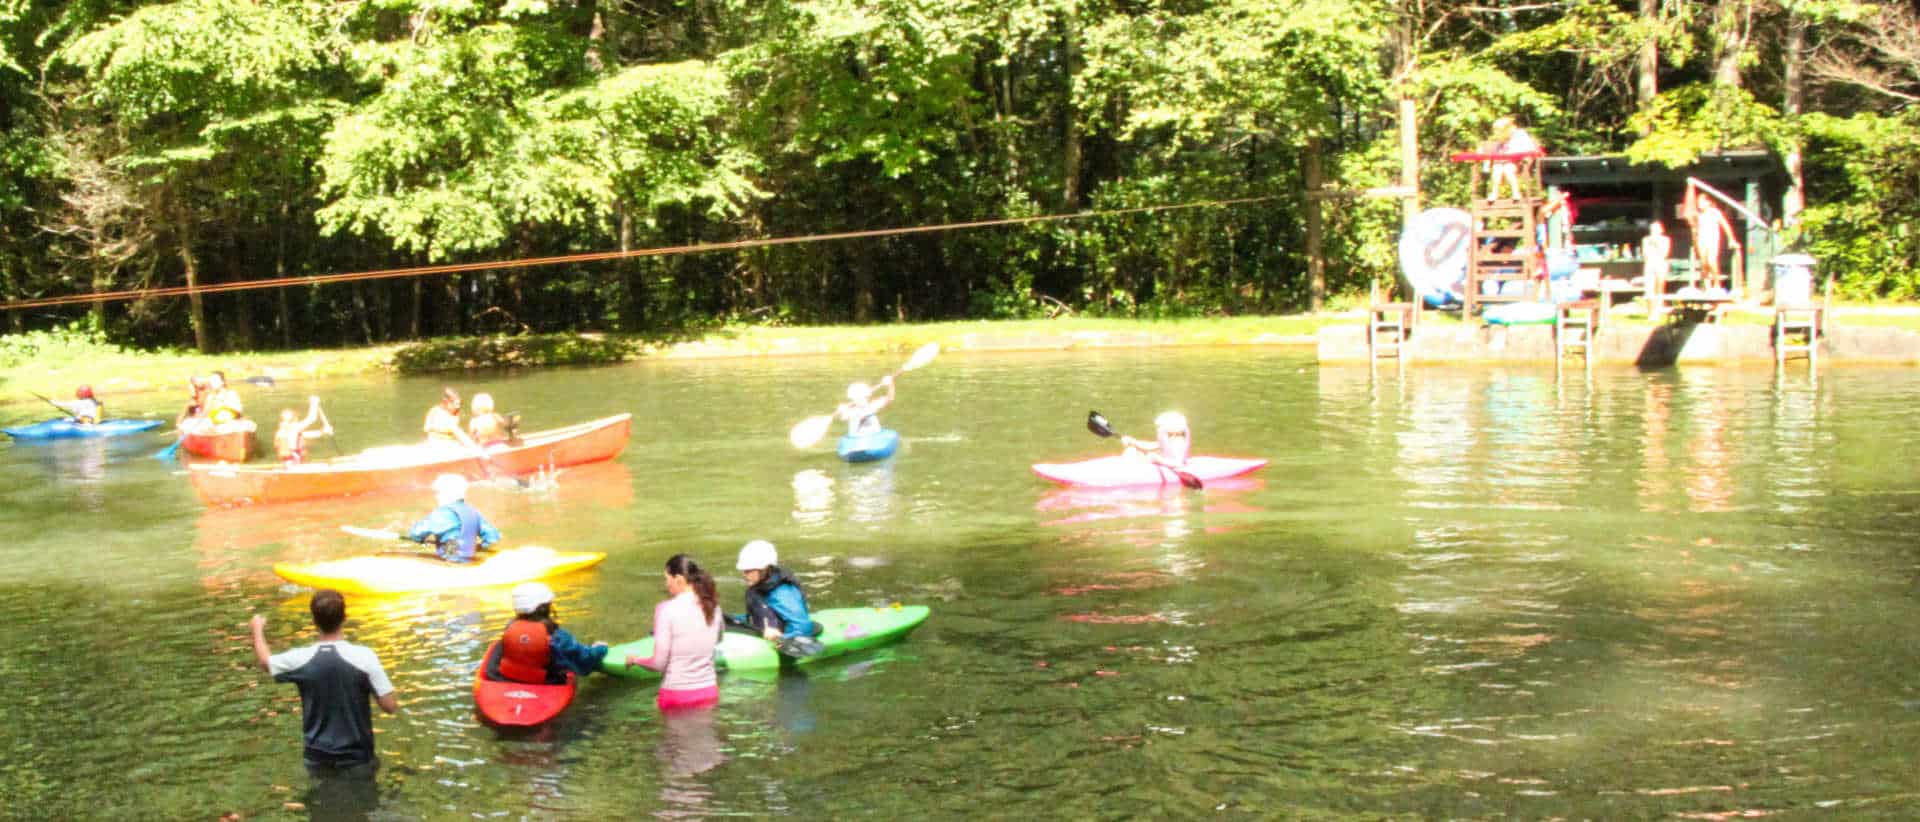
column 1687, row 343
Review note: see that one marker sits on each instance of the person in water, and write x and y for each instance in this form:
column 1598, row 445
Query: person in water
column 443, row 422
column 861, row 411
column 776, row 607
column 290, row 441
column 84, row 407
column 223, row 403
column 535, row 649
column 686, row 630
column 1172, row 444
column 456, row 529
column 336, row 679
column 486, row 427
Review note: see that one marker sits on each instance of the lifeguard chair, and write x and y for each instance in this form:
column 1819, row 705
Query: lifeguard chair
column 1503, row 243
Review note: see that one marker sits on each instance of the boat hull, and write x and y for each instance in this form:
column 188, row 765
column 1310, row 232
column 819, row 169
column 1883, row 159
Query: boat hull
column 409, row 468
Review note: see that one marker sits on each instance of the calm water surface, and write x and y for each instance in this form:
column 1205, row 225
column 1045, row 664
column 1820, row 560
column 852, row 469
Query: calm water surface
column 1454, row 593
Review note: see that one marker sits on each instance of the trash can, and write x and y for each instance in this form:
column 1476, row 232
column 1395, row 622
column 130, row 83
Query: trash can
column 1792, row 281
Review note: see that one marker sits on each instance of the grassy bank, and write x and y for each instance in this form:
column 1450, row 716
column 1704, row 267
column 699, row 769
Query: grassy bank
column 54, row 363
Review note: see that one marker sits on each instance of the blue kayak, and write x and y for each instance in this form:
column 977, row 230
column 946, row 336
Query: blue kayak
column 61, row 429
column 875, row 446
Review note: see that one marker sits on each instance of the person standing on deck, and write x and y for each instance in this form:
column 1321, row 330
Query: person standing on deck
column 337, row 679
column 1710, row 224
column 456, row 529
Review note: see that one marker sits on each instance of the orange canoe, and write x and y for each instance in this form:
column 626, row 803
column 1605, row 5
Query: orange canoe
column 409, row 467
column 224, row 443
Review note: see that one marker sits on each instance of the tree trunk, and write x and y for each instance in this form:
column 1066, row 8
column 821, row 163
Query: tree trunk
column 1316, row 258
column 1795, row 90
column 1729, row 40
column 359, row 292
column 862, row 290
column 280, row 273
column 196, row 310
column 419, row 307
column 242, row 301
column 1071, row 151
column 1647, row 74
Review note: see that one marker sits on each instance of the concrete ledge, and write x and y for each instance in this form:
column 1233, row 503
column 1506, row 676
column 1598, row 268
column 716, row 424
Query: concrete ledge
column 1687, row 343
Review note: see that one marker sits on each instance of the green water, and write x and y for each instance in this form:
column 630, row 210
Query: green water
column 1454, row 593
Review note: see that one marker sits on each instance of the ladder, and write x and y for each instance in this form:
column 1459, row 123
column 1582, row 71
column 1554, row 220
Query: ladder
column 1797, row 331
column 1503, row 238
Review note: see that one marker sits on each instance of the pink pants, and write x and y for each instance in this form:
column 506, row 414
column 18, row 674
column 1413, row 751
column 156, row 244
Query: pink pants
column 669, row 699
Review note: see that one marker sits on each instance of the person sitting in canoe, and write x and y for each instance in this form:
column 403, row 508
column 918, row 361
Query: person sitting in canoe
column 776, row 607
column 290, row 441
column 223, row 403
column 862, row 410
column 535, row 649
column 443, row 422
column 457, row 530
column 486, row 427
column 84, row 407
column 686, row 630
column 197, row 407
column 1172, row 443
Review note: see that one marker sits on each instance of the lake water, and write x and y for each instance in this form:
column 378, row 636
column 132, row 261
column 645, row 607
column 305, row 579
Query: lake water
column 1454, row 593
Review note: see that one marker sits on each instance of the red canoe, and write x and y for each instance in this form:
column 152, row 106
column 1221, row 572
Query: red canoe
column 409, row 467
column 518, row 704
column 231, row 442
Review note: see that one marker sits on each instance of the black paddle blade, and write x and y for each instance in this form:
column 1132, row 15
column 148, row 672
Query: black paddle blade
column 1189, row 480
column 1098, row 424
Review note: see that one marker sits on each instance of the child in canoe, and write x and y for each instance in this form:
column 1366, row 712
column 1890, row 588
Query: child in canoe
column 686, row 630
column 1172, row 441
column 776, row 607
column 457, row 530
column 535, row 649
column 290, row 441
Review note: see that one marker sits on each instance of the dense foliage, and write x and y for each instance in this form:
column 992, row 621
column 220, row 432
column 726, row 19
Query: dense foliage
column 201, row 142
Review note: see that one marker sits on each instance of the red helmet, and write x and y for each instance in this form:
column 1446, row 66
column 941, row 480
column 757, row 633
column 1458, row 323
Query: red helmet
column 84, row 392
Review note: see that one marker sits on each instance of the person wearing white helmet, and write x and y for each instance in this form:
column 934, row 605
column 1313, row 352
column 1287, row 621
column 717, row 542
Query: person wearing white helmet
column 1172, row 444
column 861, row 411
column 455, row 528
column 534, row 648
column 776, row 607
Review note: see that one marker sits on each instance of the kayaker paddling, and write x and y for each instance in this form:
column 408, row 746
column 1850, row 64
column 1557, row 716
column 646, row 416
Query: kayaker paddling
column 223, row 403
column 84, row 408
column 1173, row 442
column 861, row 411
column 535, row 649
column 456, row 529
column 686, row 630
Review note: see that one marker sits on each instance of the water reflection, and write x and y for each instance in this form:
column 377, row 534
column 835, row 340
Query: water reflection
column 865, row 491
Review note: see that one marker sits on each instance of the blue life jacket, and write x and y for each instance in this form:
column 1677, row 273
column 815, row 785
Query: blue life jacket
column 469, row 531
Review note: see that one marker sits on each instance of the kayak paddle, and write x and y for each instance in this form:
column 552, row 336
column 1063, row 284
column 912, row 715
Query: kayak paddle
column 63, row 409
column 1098, row 425
column 170, row 451
column 811, row 429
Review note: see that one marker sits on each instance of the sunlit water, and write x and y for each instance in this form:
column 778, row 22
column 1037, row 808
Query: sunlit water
column 1454, row 593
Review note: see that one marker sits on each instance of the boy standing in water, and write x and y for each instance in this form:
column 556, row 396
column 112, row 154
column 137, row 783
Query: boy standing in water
column 337, row 679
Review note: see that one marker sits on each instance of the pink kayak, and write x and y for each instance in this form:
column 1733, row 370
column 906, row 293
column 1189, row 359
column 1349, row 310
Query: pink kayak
column 1112, row 472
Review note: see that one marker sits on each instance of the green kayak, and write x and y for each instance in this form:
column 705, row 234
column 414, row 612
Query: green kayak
column 844, row 630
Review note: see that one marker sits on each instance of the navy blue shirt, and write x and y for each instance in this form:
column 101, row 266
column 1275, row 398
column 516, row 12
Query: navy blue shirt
column 338, row 681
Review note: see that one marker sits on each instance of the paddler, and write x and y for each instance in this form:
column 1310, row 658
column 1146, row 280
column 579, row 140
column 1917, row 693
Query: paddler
column 1172, row 444
column 84, row 407
column 861, row 411
column 456, row 529
column 336, row 679
column 443, row 422
column 290, row 441
column 776, row 607
column 486, row 427
column 223, row 403
column 535, row 649
column 197, row 407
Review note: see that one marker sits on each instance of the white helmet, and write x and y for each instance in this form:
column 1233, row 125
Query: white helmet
column 528, row 596
column 859, row 392
column 449, row 488
column 1171, row 421
column 756, row 555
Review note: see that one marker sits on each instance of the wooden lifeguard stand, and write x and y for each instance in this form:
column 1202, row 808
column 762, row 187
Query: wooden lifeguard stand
column 1503, row 241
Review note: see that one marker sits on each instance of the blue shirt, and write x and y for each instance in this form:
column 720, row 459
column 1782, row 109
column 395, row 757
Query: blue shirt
column 443, row 526
column 566, row 652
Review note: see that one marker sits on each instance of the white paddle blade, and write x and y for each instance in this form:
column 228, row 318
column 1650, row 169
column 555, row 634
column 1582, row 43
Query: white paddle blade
column 922, row 357
column 372, row 533
column 809, row 431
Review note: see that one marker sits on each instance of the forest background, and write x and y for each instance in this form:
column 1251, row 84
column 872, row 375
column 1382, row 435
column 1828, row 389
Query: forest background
column 207, row 142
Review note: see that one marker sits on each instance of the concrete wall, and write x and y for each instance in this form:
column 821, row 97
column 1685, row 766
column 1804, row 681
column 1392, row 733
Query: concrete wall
column 1696, row 343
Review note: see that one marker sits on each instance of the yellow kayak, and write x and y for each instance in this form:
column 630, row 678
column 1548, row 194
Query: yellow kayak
column 391, row 574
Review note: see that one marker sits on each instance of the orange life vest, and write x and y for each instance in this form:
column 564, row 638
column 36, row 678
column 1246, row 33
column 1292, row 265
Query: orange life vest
column 524, row 652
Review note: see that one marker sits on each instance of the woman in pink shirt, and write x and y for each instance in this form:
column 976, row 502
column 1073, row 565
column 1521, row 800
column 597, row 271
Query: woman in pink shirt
column 686, row 629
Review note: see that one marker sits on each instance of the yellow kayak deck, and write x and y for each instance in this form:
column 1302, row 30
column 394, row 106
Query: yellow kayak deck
column 391, row 574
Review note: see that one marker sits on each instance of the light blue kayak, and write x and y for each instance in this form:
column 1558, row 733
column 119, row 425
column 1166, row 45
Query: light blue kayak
column 876, row 446
column 64, row 428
